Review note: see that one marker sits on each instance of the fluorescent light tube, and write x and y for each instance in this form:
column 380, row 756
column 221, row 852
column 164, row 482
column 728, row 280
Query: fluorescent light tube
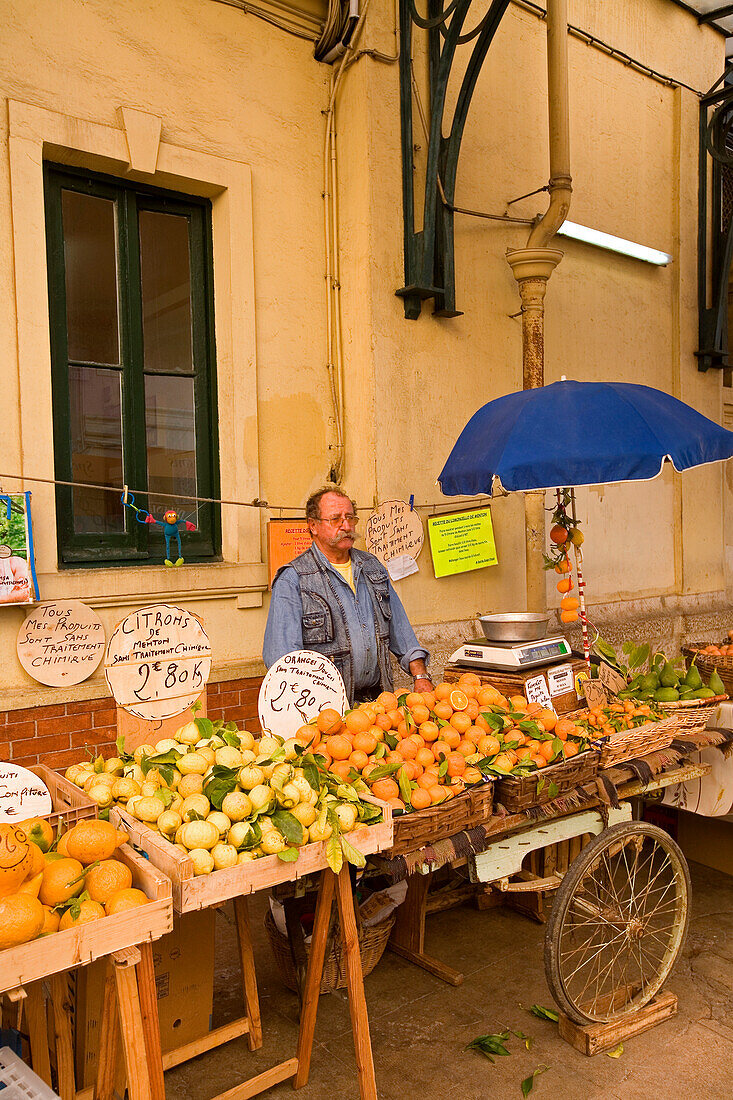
column 614, row 244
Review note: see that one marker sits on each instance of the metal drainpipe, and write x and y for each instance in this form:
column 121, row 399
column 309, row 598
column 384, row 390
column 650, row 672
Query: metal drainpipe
column 532, row 267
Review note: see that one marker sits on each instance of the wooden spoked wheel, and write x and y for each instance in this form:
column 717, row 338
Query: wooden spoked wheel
column 618, row 923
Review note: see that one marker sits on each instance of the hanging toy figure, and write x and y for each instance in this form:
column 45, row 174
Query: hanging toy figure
column 170, row 523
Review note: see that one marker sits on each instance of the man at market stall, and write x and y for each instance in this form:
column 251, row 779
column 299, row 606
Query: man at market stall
column 339, row 601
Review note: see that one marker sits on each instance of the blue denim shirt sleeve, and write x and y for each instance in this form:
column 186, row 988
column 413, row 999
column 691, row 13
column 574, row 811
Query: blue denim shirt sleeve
column 402, row 638
column 284, row 630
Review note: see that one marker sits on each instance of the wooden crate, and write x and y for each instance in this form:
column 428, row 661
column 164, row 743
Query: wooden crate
column 597, row 1038
column 70, row 803
column 81, row 945
column 421, row 827
column 197, row 891
column 513, row 683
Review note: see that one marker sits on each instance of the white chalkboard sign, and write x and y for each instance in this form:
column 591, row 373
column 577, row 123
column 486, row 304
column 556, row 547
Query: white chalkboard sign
column 296, row 688
column 394, row 534
column 22, row 794
column 61, row 642
column 158, row 661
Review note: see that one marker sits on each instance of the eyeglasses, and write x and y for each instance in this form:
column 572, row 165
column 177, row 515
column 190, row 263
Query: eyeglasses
column 339, row 521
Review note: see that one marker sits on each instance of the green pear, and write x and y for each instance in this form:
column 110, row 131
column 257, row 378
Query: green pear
column 669, row 677
column 693, row 679
column 715, row 684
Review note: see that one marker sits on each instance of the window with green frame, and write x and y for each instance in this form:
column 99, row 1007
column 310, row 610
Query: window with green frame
column 133, row 372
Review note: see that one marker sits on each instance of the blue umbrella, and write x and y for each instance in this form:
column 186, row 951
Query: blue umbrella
column 579, row 433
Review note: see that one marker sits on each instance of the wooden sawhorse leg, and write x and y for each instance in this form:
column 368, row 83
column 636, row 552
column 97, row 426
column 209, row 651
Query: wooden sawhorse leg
column 130, row 999
column 354, row 982
column 408, row 934
column 250, row 1024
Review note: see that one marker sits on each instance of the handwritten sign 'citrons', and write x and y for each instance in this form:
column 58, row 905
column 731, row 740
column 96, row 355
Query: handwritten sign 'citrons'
column 158, row 661
column 22, row 794
column 299, row 686
column 61, row 642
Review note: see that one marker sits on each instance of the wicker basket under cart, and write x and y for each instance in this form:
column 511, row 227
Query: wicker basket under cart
column 465, row 811
column 520, row 792
column 372, row 944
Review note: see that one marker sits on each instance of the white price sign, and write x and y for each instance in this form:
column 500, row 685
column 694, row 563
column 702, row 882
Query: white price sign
column 158, row 661
column 536, row 691
column 22, row 794
column 299, row 686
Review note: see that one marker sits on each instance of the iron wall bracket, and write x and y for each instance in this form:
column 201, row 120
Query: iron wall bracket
column 429, row 252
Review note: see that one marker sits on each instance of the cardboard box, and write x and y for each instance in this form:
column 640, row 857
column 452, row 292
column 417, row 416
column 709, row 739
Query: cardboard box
column 184, row 977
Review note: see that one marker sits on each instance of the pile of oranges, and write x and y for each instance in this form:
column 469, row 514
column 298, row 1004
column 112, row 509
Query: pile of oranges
column 424, row 748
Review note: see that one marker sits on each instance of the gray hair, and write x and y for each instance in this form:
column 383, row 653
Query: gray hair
column 313, row 504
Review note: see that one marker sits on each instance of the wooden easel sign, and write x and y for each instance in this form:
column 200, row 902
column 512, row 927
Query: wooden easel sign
column 158, row 661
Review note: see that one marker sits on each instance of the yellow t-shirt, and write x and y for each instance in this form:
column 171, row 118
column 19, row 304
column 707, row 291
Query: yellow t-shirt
column 346, row 572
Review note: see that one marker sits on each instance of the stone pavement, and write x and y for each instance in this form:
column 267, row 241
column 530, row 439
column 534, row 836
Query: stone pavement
column 420, row 1026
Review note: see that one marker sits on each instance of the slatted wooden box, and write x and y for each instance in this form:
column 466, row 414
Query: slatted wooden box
column 70, row 803
column 83, row 944
column 196, row 892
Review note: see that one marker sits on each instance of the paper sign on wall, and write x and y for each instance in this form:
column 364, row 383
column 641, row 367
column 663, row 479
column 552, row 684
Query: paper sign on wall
column 158, row 661
column 61, row 642
column 18, row 583
column 286, row 538
column 462, row 541
column 296, row 688
column 394, row 534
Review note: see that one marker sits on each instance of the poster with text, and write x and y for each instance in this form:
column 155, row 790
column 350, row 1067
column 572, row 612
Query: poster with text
column 462, row 541
column 286, row 539
column 18, row 583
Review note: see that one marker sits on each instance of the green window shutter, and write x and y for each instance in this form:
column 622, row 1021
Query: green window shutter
column 133, row 366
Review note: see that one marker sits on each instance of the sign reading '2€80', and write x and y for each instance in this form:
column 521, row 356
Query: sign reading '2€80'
column 297, row 688
column 158, row 661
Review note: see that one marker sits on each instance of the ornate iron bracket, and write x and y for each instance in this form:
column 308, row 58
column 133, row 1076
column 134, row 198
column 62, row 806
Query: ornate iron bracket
column 429, row 253
column 714, row 260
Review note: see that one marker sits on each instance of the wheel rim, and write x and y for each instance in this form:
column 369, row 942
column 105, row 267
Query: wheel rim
column 622, row 925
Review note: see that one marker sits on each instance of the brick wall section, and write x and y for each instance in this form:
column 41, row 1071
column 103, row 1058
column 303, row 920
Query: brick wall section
column 57, row 735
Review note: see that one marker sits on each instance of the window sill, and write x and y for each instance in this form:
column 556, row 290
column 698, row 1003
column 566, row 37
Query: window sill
column 104, row 587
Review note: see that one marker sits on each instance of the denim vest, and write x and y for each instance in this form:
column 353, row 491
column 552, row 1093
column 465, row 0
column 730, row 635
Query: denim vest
column 325, row 629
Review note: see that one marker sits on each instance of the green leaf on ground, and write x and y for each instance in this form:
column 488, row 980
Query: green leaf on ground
column 543, row 1013
column 528, row 1082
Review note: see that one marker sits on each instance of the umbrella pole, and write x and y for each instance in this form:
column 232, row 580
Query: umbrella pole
column 581, row 589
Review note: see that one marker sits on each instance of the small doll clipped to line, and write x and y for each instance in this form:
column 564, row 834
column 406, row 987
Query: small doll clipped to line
column 170, row 523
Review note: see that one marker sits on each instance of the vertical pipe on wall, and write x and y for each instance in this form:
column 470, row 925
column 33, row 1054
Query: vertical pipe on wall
column 532, row 267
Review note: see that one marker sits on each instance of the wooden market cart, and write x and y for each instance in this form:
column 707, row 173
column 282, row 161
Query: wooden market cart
column 609, row 872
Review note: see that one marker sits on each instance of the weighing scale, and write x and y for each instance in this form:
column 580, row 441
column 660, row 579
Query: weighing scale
column 511, row 656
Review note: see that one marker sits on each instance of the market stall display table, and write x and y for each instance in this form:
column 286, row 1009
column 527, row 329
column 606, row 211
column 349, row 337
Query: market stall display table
column 130, row 1009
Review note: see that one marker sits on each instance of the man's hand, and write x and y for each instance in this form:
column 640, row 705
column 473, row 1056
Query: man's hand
column 423, row 683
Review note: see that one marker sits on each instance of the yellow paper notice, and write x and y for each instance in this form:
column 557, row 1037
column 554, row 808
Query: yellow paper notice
column 462, row 541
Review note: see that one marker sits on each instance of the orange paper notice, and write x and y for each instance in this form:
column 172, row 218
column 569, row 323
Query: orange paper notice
column 286, row 538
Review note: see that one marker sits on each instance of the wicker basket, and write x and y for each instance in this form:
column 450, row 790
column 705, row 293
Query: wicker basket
column 706, row 662
column 415, row 830
column 372, row 944
column 692, row 715
column 623, row 745
column 520, row 792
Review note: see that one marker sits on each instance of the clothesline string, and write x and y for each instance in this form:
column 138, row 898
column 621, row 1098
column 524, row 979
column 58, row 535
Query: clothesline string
column 256, row 503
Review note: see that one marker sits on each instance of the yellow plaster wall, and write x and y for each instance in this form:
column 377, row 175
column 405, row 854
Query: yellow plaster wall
column 232, row 87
